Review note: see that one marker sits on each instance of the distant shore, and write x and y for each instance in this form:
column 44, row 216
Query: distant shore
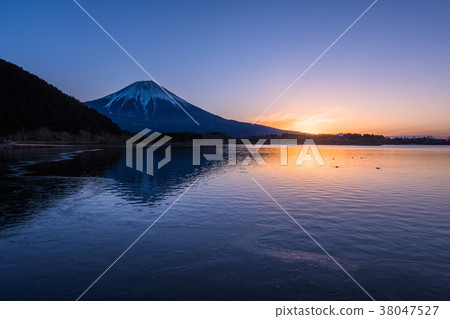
column 43, row 145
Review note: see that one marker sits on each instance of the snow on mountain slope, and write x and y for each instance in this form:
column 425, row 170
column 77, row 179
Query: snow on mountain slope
column 143, row 92
column 145, row 104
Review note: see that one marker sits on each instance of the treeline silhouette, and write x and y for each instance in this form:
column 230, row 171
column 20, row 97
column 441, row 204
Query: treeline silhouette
column 320, row 139
column 364, row 139
column 187, row 137
column 31, row 106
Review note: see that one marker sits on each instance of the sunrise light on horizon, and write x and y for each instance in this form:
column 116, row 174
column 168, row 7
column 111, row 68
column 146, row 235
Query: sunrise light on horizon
column 388, row 75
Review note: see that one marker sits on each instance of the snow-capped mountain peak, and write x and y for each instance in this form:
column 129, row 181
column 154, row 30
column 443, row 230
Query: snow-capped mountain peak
column 145, row 104
column 142, row 91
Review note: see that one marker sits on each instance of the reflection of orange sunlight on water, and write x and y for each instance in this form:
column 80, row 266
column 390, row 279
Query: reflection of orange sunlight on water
column 360, row 165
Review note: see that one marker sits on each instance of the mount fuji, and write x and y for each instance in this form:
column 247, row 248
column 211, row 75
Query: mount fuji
column 145, row 104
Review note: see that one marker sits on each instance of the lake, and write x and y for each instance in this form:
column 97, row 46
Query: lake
column 66, row 215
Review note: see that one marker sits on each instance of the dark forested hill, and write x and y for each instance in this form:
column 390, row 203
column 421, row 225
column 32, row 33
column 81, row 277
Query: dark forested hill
column 29, row 104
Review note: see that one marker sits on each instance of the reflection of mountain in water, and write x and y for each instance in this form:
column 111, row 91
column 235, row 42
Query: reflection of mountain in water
column 69, row 218
column 44, row 179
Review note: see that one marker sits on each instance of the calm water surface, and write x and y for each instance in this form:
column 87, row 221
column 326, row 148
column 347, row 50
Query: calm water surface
column 66, row 215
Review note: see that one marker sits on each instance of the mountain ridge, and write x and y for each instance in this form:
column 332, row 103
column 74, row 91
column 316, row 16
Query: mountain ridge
column 144, row 104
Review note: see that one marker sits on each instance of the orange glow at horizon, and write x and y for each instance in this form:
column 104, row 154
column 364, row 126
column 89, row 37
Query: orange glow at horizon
column 398, row 105
column 334, row 121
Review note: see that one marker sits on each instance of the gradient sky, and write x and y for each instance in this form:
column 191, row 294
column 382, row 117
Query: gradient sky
column 390, row 74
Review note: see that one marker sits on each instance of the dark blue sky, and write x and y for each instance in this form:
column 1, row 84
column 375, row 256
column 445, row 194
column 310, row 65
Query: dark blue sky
column 389, row 74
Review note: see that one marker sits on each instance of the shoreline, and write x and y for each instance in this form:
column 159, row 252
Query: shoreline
column 38, row 145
